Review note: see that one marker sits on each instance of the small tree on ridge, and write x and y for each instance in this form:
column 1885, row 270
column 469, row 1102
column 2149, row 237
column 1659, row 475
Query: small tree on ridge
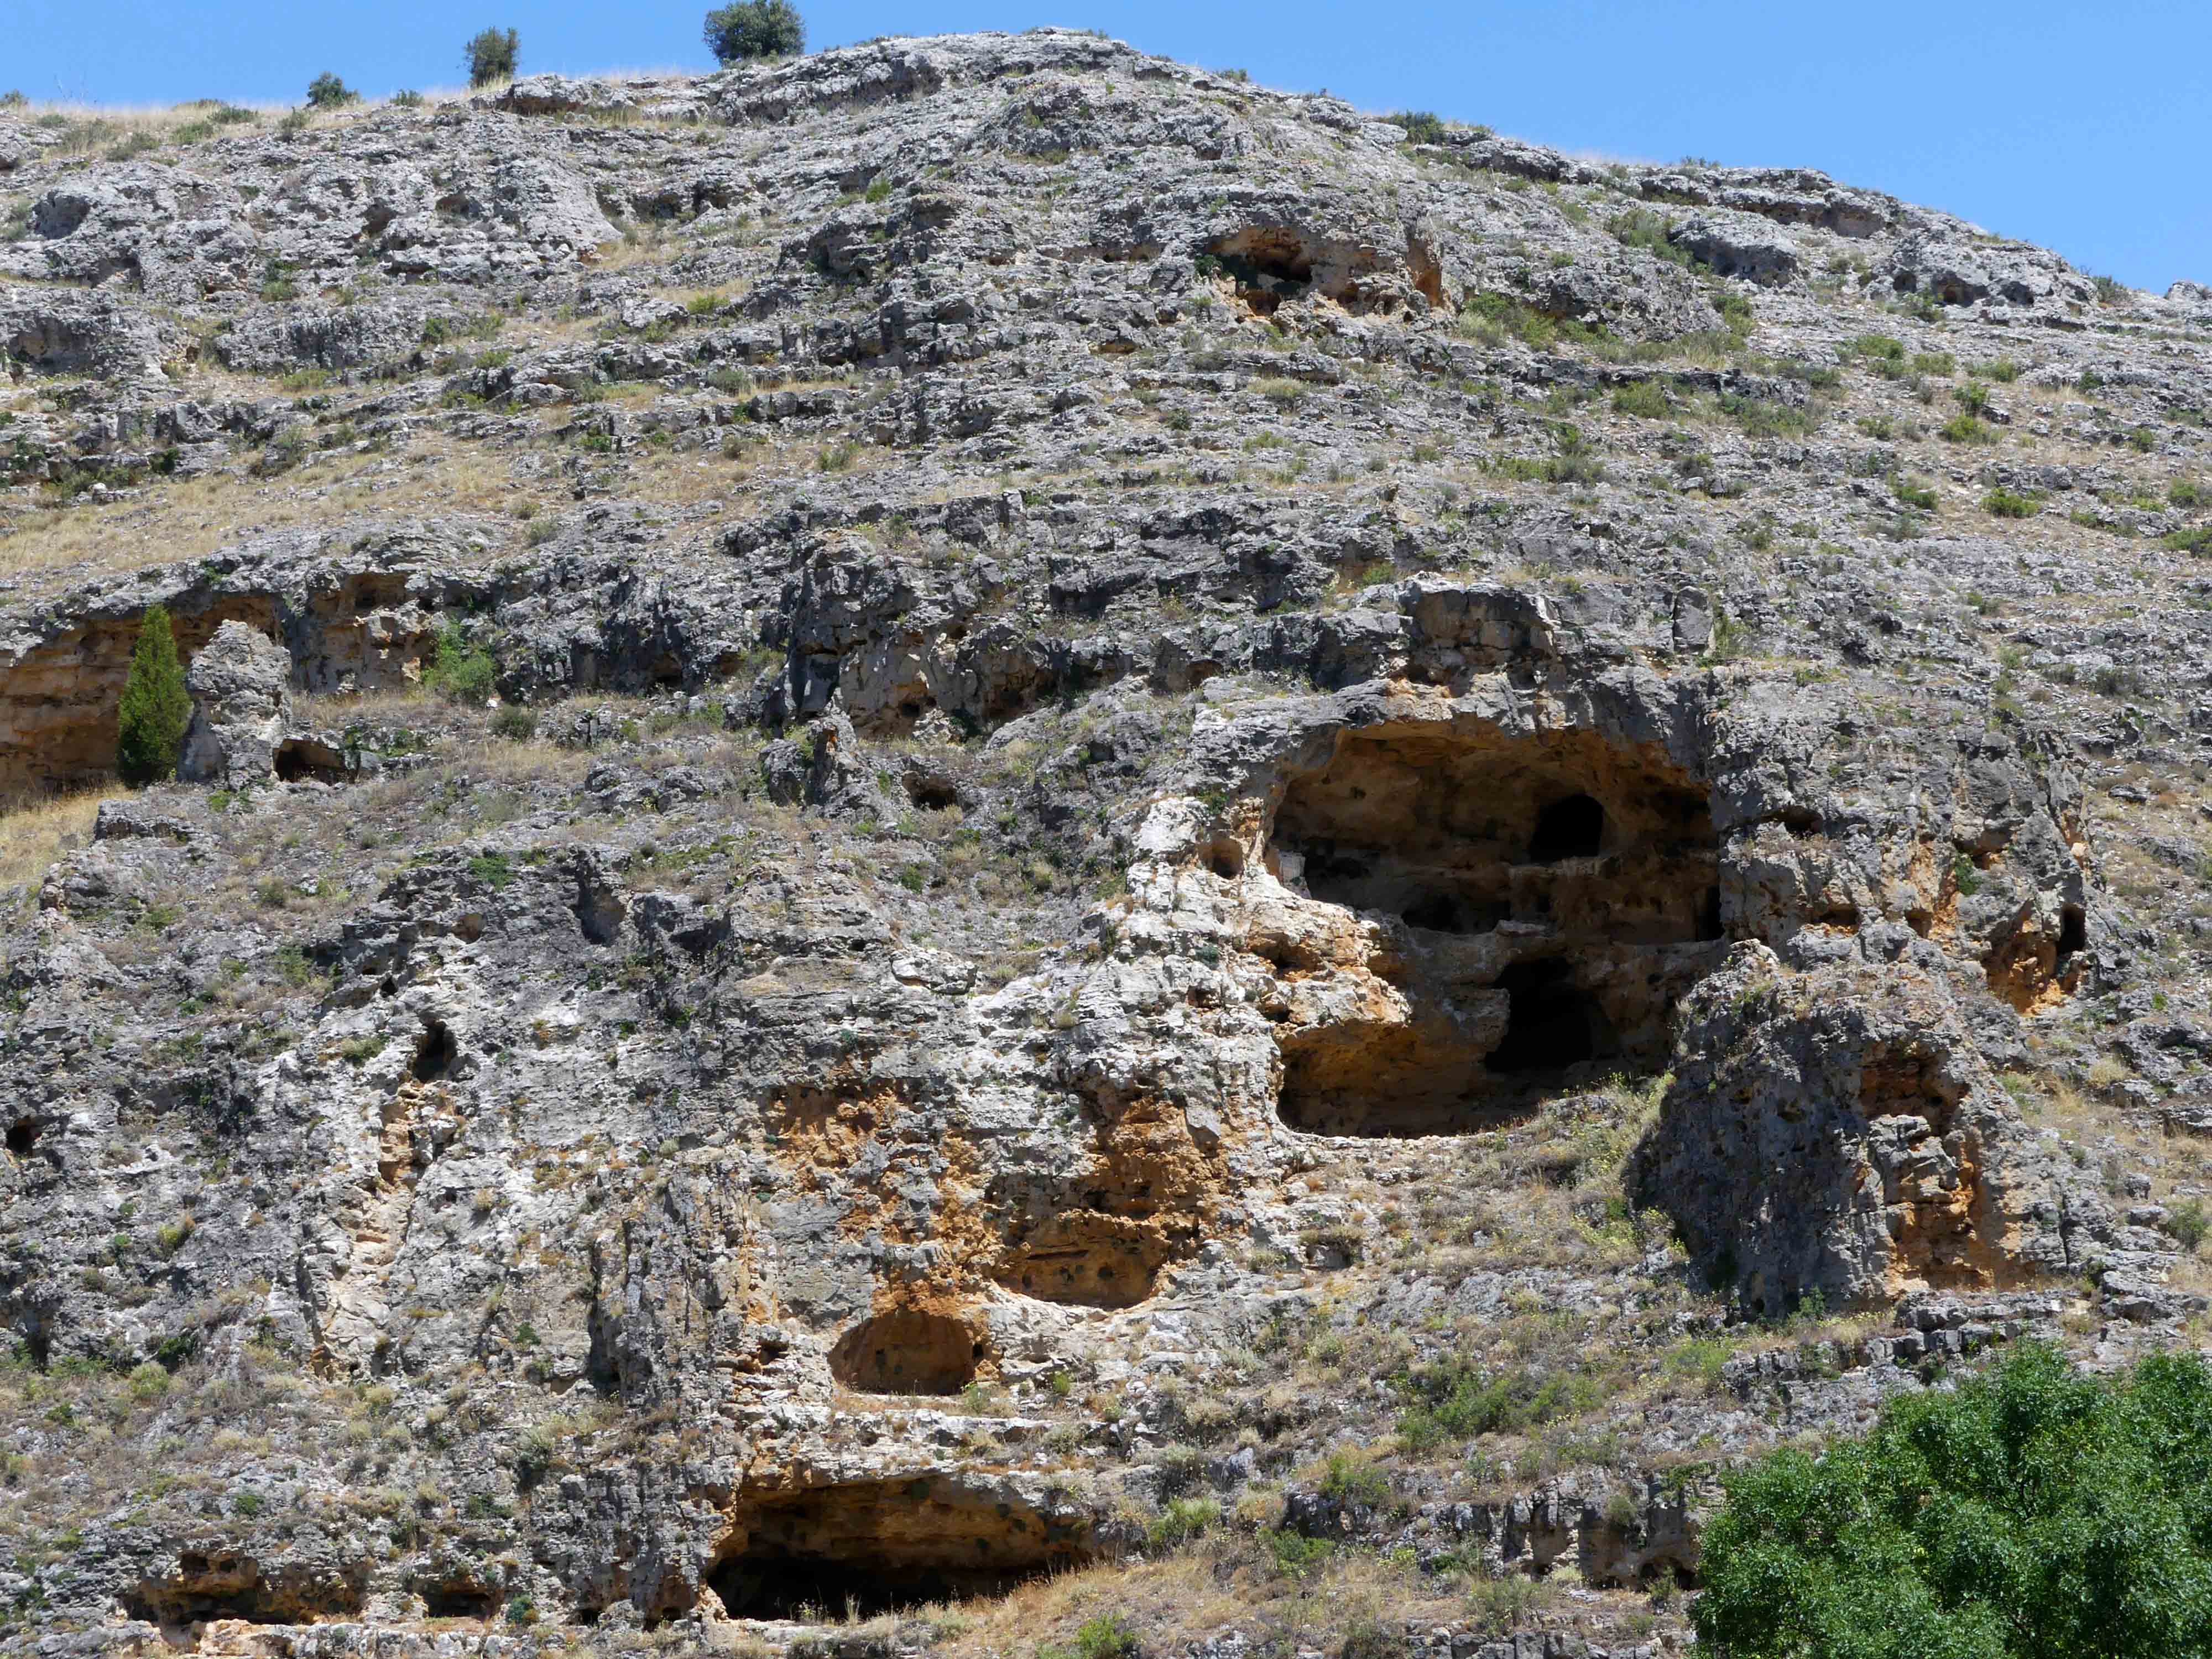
column 748, row 29
column 327, row 91
column 492, row 56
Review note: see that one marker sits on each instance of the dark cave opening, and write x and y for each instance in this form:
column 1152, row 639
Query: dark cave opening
column 22, row 1135
column 2073, row 930
column 1569, row 828
column 817, row 1588
column 1550, row 1023
column 435, row 1052
column 451, row 1602
column 884, row 1545
column 1558, row 892
column 298, row 758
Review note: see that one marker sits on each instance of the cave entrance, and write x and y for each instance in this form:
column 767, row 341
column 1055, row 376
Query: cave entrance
column 1545, row 900
column 1571, row 827
column 906, row 1352
column 435, row 1051
column 870, row 1547
column 1550, row 1024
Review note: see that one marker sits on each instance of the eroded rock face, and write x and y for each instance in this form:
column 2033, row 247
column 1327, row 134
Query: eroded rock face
column 1837, row 1132
column 241, row 686
column 1119, row 766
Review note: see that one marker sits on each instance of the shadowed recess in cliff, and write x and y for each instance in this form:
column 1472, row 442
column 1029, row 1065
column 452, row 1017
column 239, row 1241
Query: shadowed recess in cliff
column 868, row 1547
column 907, row 1351
column 1543, row 900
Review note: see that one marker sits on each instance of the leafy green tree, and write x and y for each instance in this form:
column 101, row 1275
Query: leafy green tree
column 492, row 56
column 150, row 721
column 2035, row 1513
column 327, row 91
column 747, row 29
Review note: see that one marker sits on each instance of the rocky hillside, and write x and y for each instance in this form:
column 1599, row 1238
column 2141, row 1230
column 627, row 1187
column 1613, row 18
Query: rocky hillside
column 994, row 848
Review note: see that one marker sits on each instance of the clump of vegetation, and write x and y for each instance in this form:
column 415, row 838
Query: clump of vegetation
column 1422, row 126
column 2033, row 1513
column 1107, row 1636
column 462, row 670
column 327, row 91
column 491, row 55
column 751, row 29
column 150, row 720
column 1646, row 399
column 2004, row 504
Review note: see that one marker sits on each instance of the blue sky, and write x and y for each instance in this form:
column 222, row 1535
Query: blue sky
column 2088, row 129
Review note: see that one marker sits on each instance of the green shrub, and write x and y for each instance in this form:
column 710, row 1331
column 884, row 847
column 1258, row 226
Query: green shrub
column 2011, row 504
column 1764, row 417
column 2035, row 1513
column 1965, row 428
column 1422, row 126
column 2003, row 370
column 495, row 870
column 748, row 29
column 1922, row 497
column 460, row 670
column 1182, row 1519
column 1647, row 399
column 2189, row 1223
column 150, row 720
column 515, row 723
column 1641, row 227
column 407, row 98
column 2196, row 538
column 2187, row 492
column 1107, row 1636
column 491, row 56
column 327, row 91
column 1453, row 1401
column 1350, row 1480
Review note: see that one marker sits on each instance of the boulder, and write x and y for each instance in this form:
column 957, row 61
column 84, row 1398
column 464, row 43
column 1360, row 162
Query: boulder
column 1837, row 1132
column 241, row 686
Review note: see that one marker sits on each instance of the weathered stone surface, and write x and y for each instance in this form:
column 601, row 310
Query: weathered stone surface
column 1145, row 771
column 241, row 686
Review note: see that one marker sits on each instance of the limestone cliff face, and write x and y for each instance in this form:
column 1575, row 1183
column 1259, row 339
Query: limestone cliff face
column 950, row 803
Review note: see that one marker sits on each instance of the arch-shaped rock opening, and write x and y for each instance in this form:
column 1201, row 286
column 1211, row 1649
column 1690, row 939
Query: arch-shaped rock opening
column 1572, row 827
column 22, row 1136
column 435, row 1051
column 1544, row 900
column 296, row 758
column 870, row 1547
column 2073, row 930
column 458, row 1601
column 907, row 1351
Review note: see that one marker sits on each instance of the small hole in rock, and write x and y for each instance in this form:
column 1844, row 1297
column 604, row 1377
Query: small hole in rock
column 932, row 794
column 2073, row 930
column 22, row 1135
column 434, row 1053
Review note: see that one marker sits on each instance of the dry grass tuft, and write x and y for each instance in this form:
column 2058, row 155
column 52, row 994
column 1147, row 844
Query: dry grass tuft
column 35, row 830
